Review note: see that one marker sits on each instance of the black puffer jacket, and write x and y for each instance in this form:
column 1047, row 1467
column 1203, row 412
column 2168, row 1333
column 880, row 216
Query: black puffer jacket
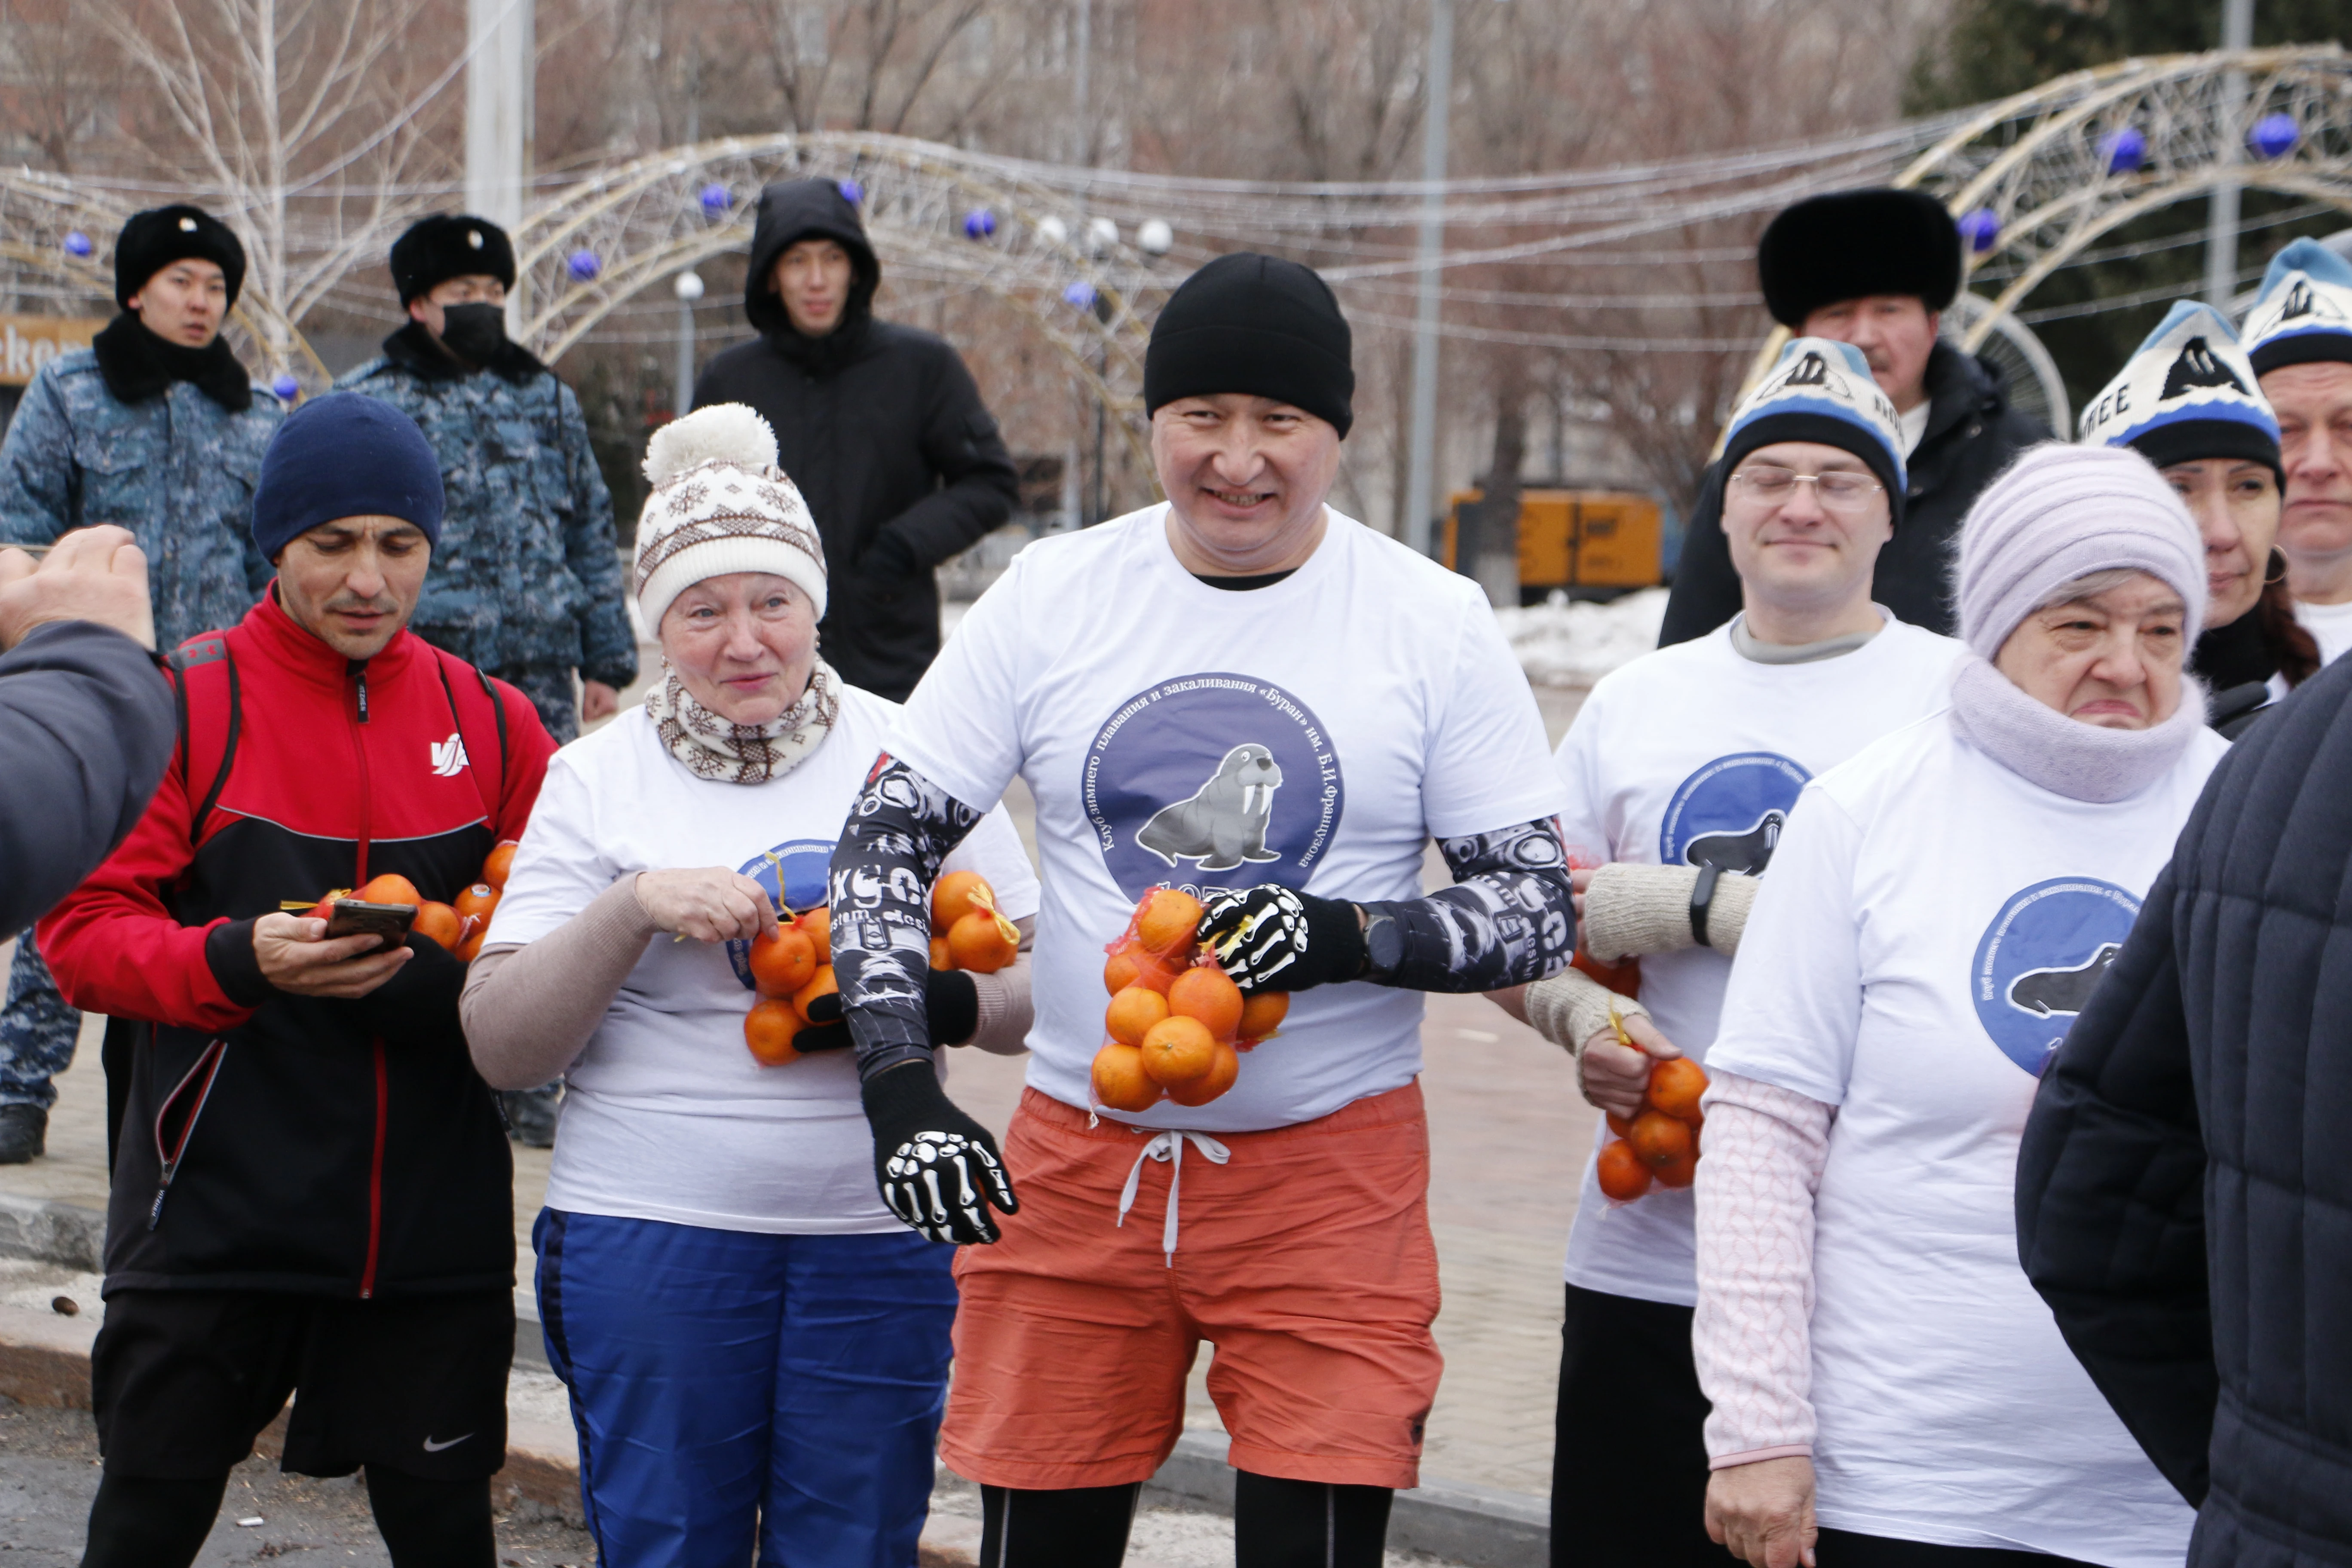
column 2184, row 1190
column 882, row 429
column 1972, row 433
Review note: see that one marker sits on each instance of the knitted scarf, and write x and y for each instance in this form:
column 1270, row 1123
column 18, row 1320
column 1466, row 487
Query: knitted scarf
column 712, row 748
column 2065, row 756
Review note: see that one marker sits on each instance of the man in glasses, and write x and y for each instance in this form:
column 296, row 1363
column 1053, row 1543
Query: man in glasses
column 1682, row 769
column 1875, row 269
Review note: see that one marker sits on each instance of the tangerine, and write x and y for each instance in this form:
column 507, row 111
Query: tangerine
column 984, row 941
column 1132, row 1013
column 1181, row 1050
column 1675, row 1085
column 1131, row 965
column 783, row 963
column 1119, row 1082
column 1167, row 919
column 1263, row 1012
column 768, row 1030
column 958, row 894
column 1659, row 1139
column 823, row 985
column 392, row 888
column 479, row 900
column 1223, row 1069
column 816, row 921
column 1625, row 978
column 1679, row 1173
column 940, row 957
column 1618, row 1125
column 438, row 924
column 498, row 863
column 471, row 946
column 1622, row 1176
column 1205, row 993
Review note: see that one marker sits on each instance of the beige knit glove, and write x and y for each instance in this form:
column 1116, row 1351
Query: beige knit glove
column 1571, row 1007
column 1632, row 910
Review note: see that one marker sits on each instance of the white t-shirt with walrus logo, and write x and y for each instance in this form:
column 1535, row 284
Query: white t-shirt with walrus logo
column 1316, row 732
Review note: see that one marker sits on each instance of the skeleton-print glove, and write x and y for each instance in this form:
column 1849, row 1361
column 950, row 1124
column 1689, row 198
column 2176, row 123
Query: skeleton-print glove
column 939, row 1169
column 1271, row 939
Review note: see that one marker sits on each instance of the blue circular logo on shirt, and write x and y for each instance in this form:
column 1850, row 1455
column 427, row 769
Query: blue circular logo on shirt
column 1730, row 813
column 793, row 873
column 2040, row 960
column 1212, row 781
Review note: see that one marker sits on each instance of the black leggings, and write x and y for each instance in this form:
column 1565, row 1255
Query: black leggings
column 1843, row 1549
column 136, row 1522
column 1276, row 1524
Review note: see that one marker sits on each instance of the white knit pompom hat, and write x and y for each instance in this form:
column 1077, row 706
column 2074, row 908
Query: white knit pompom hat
column 720, row 504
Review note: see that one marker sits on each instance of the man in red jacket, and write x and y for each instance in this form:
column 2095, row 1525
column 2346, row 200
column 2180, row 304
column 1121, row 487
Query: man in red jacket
column 312, row 1189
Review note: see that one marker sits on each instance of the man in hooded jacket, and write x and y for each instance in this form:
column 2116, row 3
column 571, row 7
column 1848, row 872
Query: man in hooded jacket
column 1876, row 269
column 880, row 425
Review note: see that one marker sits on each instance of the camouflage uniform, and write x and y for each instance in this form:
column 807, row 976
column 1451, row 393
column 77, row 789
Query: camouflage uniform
column 177, row 469
column 525, row 582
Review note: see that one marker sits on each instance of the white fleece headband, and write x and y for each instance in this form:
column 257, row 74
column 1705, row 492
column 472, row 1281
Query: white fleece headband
column 719, row 505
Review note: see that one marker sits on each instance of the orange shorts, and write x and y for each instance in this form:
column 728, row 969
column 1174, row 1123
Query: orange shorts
column 1305, row 1259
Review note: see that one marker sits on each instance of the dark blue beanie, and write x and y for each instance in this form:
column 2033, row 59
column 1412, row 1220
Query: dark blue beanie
column 344, row 455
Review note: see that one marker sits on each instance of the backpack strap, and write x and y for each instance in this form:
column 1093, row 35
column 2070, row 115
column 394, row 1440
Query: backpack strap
column 492, row 790
column 208, row 702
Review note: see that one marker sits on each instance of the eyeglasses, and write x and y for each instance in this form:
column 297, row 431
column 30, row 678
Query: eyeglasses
column 1838, row 492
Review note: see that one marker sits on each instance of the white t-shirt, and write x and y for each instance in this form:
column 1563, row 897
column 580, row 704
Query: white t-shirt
column 1314, row 733
column 1932, row 924
column 1914, row 426
column 1694, row 754
column 665, row 1115
column 2330, row 626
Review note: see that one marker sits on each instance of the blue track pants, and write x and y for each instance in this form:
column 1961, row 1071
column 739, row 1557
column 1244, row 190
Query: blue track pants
column 730, row 1386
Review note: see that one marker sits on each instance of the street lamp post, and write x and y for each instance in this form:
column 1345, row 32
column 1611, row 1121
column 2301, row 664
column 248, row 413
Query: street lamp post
column 1421, row 451
column 2221, row 220
column 688, row 287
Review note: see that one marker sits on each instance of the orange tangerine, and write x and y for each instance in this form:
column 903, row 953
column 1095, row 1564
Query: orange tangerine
column 822, row 985
column 984, row 941
column 499, row 862
column 1119, row 1082
column 1680, row 1172
column 1618, row 1125
column 1263, row 1013
column 1225, row 1067
column 1179, row 1050
column 1131, row 965
column 439, row 924
column 1132, row 1013
column 958, row 894
column 768, row 1030
column 1623, row 1174
column 479, row 900
column 1625, row 978
column 942, row 958
column 392, row 888
column 1205, row 993
column 1659, row 1140
column 1675, row 1088
column 817, row 922
column 1166, row 920
column 782, row 964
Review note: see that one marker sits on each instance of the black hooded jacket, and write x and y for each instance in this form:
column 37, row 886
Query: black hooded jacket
column 2184, row 1186
column 882, row 429
column 1972, row 433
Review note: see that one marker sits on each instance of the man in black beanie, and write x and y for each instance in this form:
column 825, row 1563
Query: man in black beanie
column 1241, row 697
column 1876, row 269
column 880, row 425
column 525, row 582
column 156, row 429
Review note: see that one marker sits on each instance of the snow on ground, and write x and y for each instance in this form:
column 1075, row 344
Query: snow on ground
column 1564, row 644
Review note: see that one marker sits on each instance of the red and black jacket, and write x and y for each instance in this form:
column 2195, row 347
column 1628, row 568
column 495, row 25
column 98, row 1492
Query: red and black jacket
column 279, row 1143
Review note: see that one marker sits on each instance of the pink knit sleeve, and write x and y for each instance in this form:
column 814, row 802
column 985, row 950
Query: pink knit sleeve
column 1764, row 1148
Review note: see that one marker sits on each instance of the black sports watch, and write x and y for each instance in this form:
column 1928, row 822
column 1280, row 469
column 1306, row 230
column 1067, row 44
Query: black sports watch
column 1702, row 897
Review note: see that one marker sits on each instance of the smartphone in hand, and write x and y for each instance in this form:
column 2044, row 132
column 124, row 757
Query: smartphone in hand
column 356, row 917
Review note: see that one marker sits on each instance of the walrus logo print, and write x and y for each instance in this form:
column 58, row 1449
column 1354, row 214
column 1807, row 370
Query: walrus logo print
column 1730, row 813
column 793, row 875
column 2041, row 959
column 1213, row 781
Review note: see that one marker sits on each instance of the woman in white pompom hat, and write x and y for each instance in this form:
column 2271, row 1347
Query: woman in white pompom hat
column 753, row 1344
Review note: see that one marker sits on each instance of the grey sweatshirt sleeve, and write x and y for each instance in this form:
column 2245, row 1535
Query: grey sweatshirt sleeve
column 86, row 728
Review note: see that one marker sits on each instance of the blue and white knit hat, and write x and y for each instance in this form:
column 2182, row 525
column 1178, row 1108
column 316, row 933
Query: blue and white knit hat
column 2305, row 310
column 2187, row 391
column 1820, row 390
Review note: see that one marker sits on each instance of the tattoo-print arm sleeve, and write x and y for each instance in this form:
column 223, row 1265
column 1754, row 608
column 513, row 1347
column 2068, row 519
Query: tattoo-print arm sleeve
column 900, row 828
column 1507, row 919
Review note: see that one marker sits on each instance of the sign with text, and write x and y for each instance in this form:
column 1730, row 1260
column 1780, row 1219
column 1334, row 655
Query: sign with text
column 28, row 342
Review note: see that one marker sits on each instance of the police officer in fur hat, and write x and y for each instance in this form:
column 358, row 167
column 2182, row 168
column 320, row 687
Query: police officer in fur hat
column 1876, row 269
column 156, row 429
column 526, row 583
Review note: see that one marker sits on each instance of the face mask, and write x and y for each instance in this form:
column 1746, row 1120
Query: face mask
column 474, row 333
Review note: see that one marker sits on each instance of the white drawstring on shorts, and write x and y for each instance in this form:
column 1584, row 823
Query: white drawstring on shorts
column 1167, row 1148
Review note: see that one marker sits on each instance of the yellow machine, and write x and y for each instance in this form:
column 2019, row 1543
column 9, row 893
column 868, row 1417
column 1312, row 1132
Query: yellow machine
column 1577, row 539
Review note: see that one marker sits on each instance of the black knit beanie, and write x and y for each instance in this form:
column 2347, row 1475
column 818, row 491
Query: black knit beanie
column 344, row 455
column 1257, row 325
column 153, row 240
column 449, row 245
